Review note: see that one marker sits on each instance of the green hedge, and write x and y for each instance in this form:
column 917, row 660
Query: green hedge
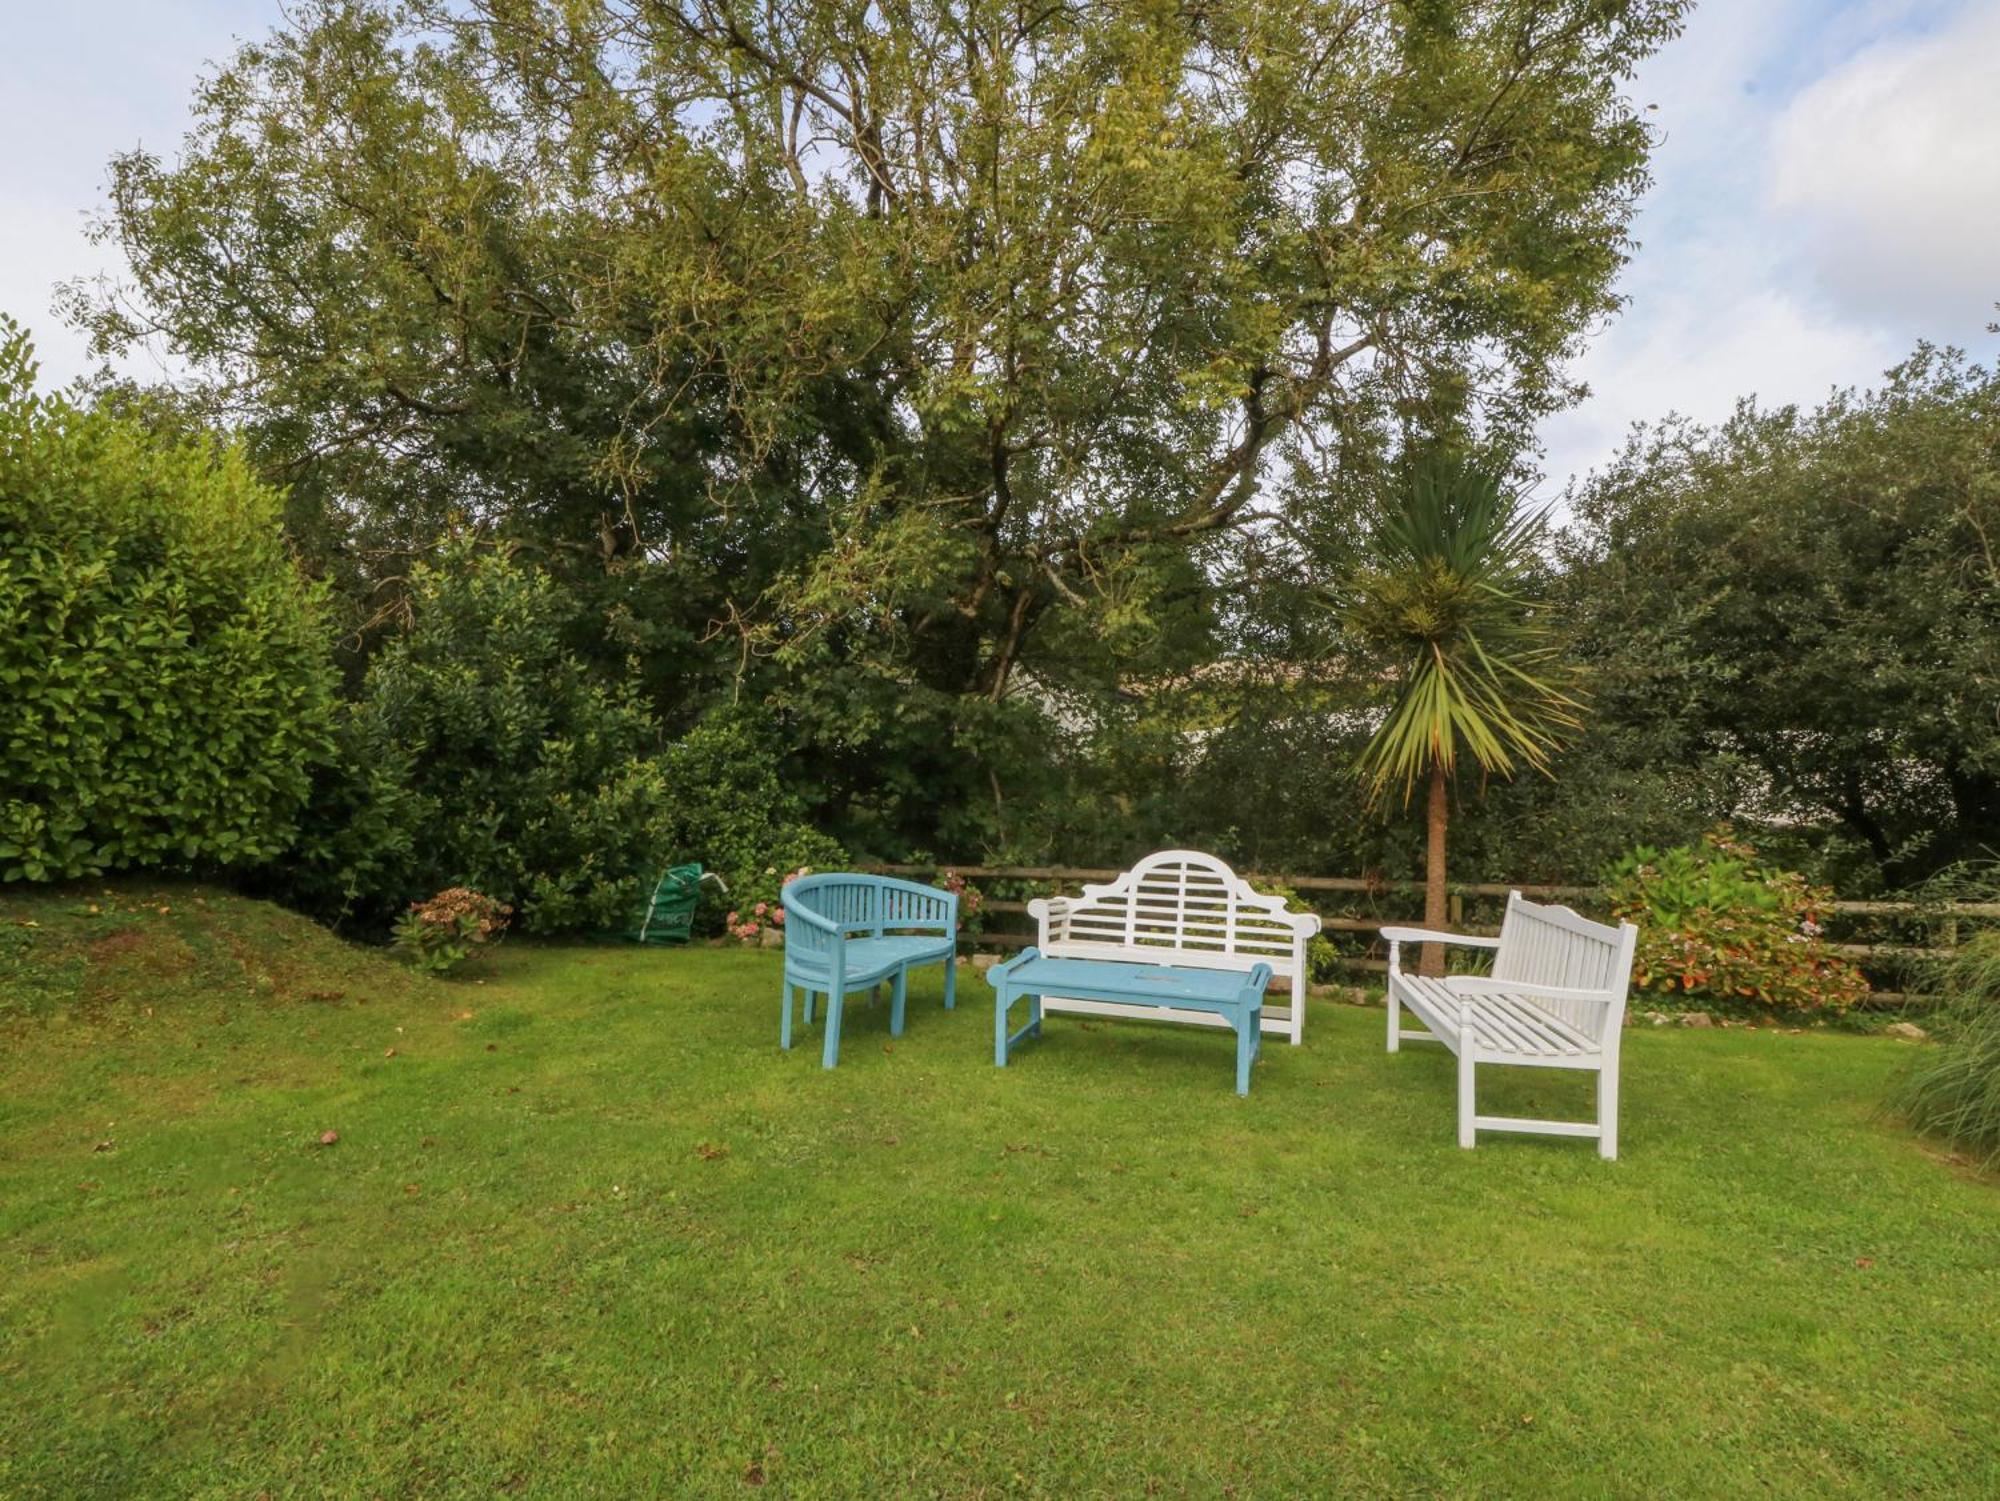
column 165, row 678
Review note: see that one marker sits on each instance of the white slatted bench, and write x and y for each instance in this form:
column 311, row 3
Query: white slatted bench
column 1186, row 909
column 1555, row 999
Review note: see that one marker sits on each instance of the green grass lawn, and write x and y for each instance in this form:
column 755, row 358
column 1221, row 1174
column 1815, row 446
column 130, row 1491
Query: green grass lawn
column 587, row 1231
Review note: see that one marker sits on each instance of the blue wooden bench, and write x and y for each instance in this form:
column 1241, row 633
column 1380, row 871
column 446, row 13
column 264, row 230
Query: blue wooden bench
column 845, row 933
column 1234, row 997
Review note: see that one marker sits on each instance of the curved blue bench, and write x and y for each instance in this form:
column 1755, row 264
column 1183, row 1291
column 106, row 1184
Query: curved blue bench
column 851, row 932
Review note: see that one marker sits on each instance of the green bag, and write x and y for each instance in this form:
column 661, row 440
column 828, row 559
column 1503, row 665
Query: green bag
column 670, row 914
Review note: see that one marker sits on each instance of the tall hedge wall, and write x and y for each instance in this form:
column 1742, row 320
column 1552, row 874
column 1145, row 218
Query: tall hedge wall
column 165, row 679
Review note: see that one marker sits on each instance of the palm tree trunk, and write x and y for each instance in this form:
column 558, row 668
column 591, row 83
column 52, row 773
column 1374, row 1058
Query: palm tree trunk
column 1434, row 903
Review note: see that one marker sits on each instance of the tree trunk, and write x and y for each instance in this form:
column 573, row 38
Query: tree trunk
column 1434, row 904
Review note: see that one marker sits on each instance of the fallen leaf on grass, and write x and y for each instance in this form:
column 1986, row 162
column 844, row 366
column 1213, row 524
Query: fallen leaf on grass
column 388, row 1052
column 708, row 1152
column 1864, row 1262
column 328, row 1138
column 753, row 1473
column 105, row 1146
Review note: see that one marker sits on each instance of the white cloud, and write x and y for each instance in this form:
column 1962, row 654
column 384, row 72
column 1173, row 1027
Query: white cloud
column 1732, row 295
column 1890, row 165
column 1696, row 353
column 78, row 83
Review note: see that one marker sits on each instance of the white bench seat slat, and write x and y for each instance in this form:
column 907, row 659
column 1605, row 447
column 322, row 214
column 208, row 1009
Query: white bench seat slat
column 1555, row 999
column 1501, row 1023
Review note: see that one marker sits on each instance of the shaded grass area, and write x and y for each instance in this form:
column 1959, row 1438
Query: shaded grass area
column 587, row 1231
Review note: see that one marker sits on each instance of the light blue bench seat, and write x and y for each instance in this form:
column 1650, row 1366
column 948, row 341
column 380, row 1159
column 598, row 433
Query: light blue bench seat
column 847, row 932
column 1236, row 997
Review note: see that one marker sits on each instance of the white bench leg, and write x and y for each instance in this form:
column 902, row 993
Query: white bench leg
column 1465, row 1111
column 1607, row 1114
column 1395, row 1019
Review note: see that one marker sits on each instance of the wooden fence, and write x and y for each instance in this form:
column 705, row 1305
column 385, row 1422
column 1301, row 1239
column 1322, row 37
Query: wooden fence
column 1937, row 921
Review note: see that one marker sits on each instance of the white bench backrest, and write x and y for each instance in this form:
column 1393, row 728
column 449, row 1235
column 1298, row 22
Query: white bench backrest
column 1543, row 945
column 1178, row 907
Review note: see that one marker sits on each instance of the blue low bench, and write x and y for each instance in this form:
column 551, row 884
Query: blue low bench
column 845, row 933
column 1234, row 996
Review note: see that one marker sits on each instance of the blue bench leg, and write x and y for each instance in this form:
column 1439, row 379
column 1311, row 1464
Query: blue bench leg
column 899, row 995
column 810, row 1009
column 1035, row 1015
column 1247, row 1030
column 951, row 979
column 830, row 1054
column 785, row 1026
column 1002, row 999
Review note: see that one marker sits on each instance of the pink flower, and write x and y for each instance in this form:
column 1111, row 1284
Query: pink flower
column 762, row 908
column 778, row 918
column 732, row 919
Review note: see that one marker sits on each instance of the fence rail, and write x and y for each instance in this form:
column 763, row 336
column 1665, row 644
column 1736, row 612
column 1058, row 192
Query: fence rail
column 1882, row 955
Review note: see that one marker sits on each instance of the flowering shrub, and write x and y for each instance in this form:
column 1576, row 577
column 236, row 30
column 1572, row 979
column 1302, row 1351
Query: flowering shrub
column 749, row 922
column 1719, row 927
column 437, row 935
column 970, row 900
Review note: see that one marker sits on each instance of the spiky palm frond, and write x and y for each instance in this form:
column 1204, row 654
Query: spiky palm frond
column 1442, row 598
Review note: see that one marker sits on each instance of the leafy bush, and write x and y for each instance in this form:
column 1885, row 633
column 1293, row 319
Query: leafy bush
column 439, row 934
column 1324, row 962
column 1720, row 928
column 166, row 681
column 481, row 753
column 731, row 808
column 357, row 854
column 1953, row 1092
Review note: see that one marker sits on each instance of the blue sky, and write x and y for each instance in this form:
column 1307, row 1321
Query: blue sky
column 1828, row 190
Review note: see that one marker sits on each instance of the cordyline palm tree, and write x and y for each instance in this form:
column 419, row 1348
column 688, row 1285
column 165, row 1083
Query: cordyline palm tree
column 1440, row 597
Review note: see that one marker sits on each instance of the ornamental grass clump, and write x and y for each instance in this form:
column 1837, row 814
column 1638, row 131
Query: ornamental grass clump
column 440, row 934
column 1719, row 928
column 1953, row 1092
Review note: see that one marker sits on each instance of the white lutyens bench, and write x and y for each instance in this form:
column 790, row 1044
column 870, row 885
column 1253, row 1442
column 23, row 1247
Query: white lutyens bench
column 1182, row 908
column 1555, row 999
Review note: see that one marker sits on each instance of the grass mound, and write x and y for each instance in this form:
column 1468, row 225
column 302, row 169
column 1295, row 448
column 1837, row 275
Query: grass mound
column 104, row 953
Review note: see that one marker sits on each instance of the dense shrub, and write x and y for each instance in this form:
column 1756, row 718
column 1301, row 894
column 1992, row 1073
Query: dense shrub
column 165, row 678
column 1720, row 928
column 732, row 809
column 481, row 753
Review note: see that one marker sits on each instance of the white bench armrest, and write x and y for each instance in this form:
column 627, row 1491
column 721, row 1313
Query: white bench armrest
column 1426, row 935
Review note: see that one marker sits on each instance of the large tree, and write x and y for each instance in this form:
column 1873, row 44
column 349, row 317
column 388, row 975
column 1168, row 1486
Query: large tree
column 888, row 335
column 1813, row 597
